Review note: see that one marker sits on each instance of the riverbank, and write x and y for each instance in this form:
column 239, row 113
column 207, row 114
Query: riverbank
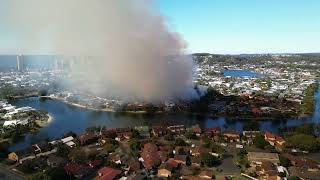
column 309, row 102
column 91, row 108
column 24, row 96
column 208, row 115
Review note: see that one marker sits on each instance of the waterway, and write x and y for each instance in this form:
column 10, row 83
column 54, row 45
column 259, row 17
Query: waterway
column 241, row 73
column 68, row 118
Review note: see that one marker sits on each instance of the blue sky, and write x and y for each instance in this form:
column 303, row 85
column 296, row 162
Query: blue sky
column 245, row 26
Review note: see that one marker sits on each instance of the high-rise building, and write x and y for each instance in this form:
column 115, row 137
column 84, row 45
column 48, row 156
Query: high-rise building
column 19, row 63
column 56, row 64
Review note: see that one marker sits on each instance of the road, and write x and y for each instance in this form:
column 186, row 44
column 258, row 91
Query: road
column 6, row 174
column 228, row 165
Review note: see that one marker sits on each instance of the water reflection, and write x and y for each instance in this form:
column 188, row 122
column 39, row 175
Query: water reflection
column 70, row 118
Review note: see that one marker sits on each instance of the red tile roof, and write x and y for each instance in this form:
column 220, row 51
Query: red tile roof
column 197, row 130
column 206, row 174
column 171, row 162
column 158, row 130
column 301, row 162
column 72, row 168
column 214, row 129
column 269, row 135
column 134, row 166
column 199, row 150
column 231, row 133
column 273, row 137
column 150, row 156
column 86, row 137
column 269, row 168
column 107, row 173
column 94, row 163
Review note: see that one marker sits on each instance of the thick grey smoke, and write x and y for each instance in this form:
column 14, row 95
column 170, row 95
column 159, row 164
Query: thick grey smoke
column 124, row 47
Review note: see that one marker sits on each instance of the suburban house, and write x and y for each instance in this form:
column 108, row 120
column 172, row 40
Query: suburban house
column 158, row 131
column 16, row 156
column 78, row 170
column 259, row 157
column 181, row 159
column 68, row 141
column 267, row 171
column 164, row 171
column 177, row 129
column 107, row 173
column 144, row 131
column 56, row 161
column 196, row 151
column 87, row 138
column 150, row 156
column 206, row 174
column 301, row 162
column 274, row 140
column 231, row 135
column 211, row 132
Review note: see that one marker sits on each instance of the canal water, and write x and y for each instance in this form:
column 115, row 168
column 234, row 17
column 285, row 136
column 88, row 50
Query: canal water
column 241, row 73
column 70, row 118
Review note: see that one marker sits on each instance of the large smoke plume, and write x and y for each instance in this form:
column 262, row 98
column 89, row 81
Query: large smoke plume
column 125, row 45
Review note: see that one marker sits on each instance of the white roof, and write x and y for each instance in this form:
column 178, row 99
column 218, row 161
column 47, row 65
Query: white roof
column 11, row 113
column 53, row 142
column 27, row 108
column 9, row 108
column 15, row 122
column 67, row 139
column 10, row 123
column 70, row 143
column 280, row 169
column 23, row 122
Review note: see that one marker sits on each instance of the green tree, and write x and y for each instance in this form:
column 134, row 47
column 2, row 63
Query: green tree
column 112, row 135
column 150, row 108
column 191, row 135
column 79, row 156
column 43, row 92
column 57, row 173
column 285, row 161
column 303, row 142
column 293, row 178
column 308, row 102
column 39, row 176
column 169, row 137
column 135, row 145
column 62, row 150
column 188, row 161
column 180, row 142
column 4, row 149
column 208, row 160
column 305, row 129
column 135, row 134
column 260, row 142
column 206, row 142
column 109, row 148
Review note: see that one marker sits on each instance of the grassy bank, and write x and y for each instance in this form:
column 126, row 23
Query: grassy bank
column 308, row 103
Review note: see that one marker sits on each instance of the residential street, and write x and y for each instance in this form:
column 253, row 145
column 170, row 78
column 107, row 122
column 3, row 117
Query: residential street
column 5, row 174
